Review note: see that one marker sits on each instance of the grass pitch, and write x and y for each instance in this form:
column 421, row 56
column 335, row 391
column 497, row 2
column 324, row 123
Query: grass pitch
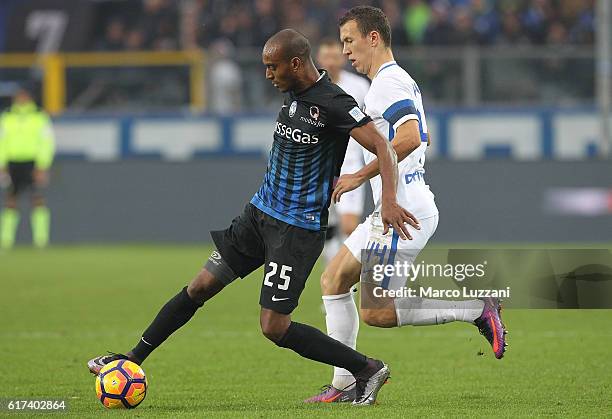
column 62, row 306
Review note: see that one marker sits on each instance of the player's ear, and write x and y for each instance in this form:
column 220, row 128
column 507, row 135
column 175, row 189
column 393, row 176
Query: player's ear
column 374, row 38
column 295, row 63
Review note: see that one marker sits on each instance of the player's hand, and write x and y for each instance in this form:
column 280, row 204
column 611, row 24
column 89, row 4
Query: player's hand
column 346, row 183
column 41, row 178
column 393, row 215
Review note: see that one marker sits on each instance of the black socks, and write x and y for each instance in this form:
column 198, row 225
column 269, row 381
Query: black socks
column 313, row 344
column 170, row 318
column 307, row 341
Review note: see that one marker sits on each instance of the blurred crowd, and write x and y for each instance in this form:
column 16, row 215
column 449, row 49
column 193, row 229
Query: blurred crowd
column 233, row 32
column 172, row 24
column 151, row 25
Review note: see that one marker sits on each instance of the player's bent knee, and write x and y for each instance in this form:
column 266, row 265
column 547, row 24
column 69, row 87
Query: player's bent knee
column 334, row 283
column 369, row 317
column 381, row 317
column 274, row 325
column 273, row 332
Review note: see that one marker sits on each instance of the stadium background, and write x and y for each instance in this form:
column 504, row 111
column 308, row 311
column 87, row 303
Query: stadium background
column 163, row 119
column 154, row 94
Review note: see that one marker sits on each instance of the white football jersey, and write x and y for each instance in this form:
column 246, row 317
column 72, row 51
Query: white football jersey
column 393, row 99
column 354, row 85
column 352, row 202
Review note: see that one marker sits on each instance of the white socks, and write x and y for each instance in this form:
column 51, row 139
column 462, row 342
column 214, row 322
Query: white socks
column 421, row 311
column 342, row 321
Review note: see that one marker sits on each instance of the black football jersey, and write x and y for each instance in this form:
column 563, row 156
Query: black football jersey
column 310, row 140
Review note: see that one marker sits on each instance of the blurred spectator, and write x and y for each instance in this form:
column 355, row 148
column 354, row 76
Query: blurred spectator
column 295, row 16
column 266, row 21
column 114, row 36
column 224, row 79
column 557, row 35
column 583, row 18
column 556, row 72
column 134, row 40
column 439, row 30
column 486, row 21
column 249, row 23
column 247, row 28
column 394, row 14
column 220, row 26
column 537, row 19
column 228, row 27
column 464, row 32
column 511, row 31
column 416, row 18
column 153, row 26
column 159, row 22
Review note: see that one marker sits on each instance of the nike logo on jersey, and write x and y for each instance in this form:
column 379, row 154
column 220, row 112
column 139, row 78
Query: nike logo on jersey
column 279, row 299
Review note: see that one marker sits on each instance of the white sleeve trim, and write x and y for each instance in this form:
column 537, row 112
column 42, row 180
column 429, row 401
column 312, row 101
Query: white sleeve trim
column 404, row 119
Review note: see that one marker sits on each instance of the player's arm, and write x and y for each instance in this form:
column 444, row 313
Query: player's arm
column 3, row 155
column 46, row 151
column 392, row 214
column 406, row 140
column 46, row 148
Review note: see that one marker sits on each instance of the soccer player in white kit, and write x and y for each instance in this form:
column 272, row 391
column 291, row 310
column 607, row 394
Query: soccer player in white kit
column 346, row 215
column 394, row 103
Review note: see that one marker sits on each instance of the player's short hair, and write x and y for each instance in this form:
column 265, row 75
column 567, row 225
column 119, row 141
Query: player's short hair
column 292, row 44
column 299, row 46
column 368, row 19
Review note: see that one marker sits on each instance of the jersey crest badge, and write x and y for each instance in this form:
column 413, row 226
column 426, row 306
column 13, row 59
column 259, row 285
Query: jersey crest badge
column 356, row 114
column 314, row 112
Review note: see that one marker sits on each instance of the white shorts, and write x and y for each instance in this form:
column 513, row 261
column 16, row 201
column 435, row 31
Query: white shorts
column 369, row 234
column 352, row 202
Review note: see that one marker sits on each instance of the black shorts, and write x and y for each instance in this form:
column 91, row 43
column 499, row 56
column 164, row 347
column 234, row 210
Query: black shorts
column 288, row 252
column 21, row 175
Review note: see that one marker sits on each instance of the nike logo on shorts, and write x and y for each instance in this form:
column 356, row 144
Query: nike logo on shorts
column 279, row 299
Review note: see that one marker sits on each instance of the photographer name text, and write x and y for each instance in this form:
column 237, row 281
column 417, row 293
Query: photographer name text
column 430, row 292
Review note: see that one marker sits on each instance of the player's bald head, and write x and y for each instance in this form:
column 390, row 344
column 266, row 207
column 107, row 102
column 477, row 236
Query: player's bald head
column 289, row 65
column 288, row 44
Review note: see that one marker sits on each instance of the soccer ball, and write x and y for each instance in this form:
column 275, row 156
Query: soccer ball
column 121, row 385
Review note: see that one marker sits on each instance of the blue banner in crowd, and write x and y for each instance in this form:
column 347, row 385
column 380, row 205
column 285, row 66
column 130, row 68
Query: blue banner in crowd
column 456, row 134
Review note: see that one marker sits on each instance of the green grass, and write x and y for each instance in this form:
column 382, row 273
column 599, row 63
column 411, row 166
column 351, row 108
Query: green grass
column 60, row 307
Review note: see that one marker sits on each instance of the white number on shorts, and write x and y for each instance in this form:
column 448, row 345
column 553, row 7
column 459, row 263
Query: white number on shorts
column 267, row 281
column 283, row 275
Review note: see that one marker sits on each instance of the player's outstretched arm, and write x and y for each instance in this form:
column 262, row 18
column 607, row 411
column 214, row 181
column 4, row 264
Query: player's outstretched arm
column 406, row 140
column 392, row 214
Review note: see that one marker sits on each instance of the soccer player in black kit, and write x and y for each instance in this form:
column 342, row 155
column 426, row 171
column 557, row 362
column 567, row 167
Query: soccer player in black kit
column 283, row 226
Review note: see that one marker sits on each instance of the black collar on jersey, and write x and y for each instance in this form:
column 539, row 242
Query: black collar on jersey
column 322, row 76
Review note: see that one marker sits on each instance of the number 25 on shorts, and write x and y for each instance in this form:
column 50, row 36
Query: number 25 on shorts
column 282, row 275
